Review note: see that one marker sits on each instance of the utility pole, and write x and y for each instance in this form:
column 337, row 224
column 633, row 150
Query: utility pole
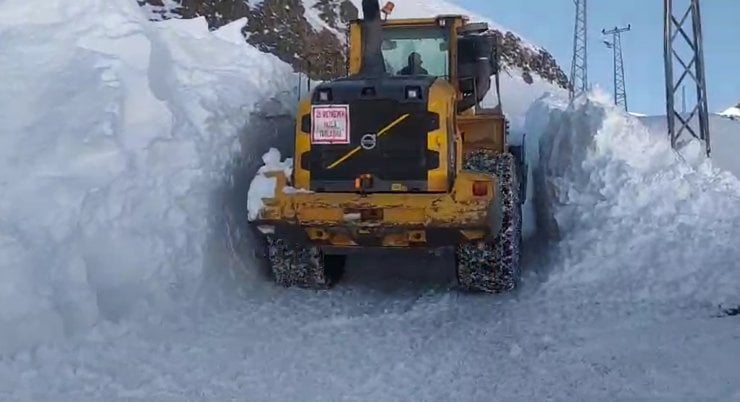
column 693, row 71
column 620, row 91
column 579, row 64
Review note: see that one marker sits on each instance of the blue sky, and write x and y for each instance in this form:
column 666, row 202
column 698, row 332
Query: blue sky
column 549, row 23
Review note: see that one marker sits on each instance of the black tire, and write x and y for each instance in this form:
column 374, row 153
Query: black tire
column 493, row 266
column 295, row 265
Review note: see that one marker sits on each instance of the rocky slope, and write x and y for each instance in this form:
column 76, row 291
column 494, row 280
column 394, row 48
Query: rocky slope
column 310, row 34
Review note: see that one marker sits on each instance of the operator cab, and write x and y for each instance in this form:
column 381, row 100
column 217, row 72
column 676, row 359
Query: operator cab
column 446, row 47
column 416, row 51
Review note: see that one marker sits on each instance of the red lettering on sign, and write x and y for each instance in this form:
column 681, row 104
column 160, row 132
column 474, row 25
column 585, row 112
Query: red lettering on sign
column 333, row 114
column 330, row 124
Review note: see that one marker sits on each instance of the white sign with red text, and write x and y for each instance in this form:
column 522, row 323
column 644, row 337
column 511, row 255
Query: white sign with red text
column 330, row 124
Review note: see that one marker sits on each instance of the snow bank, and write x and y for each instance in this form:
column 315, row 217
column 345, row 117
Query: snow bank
column 724, row 135
column 165, row 11
column 516, row 98
column 634, row 221
column 731, row 112
column 263, row 186
column 116, row 132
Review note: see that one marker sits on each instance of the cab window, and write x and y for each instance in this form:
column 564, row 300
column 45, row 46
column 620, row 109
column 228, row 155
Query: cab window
column 416, row 51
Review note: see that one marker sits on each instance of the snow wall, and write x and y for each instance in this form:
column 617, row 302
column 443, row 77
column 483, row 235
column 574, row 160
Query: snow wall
column 630, row 220
column 117, row 136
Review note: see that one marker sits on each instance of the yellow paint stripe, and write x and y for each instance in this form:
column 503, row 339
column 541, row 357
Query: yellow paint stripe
column 358, row 148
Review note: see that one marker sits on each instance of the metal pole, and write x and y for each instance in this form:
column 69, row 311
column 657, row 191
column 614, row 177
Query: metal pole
column 614, row 67
column 693, row 70
column 620, row 89
column 668, row 58
column 701, row 83
column 621, row 85
column 579, row 62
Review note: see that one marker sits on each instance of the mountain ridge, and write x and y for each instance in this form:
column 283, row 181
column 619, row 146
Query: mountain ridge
column 310, row 35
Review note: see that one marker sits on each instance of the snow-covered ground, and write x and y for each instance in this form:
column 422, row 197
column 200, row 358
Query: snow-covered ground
column 732, row 112
column 724, row 135
column 127, row 269
column 388, row 339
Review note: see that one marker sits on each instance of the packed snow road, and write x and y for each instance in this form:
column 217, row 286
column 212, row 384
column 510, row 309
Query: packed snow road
column 378, row 339
column 128, row 271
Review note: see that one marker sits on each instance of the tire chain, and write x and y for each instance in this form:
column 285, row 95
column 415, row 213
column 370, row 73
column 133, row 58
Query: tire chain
column 296, row 265
column 486, row 266
column 481, row 266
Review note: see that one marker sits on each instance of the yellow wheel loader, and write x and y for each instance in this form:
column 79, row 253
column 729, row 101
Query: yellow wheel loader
column 400, row 154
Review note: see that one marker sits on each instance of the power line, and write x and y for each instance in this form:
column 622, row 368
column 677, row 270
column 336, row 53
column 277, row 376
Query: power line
column 674, row 30
column 620, row 90
column 579, row 64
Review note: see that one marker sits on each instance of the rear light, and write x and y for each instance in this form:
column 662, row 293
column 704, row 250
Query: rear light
column 480, row 188
column 413, row 92
column 324, row 95
column 363, row 182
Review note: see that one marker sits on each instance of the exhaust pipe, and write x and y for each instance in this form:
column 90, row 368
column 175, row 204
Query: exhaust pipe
column 373, row 63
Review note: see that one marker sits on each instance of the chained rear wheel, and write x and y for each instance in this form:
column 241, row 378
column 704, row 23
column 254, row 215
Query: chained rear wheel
column 303, row 266
column 492, row 266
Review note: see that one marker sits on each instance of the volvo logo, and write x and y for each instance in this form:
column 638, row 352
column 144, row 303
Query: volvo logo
column 369, row 141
